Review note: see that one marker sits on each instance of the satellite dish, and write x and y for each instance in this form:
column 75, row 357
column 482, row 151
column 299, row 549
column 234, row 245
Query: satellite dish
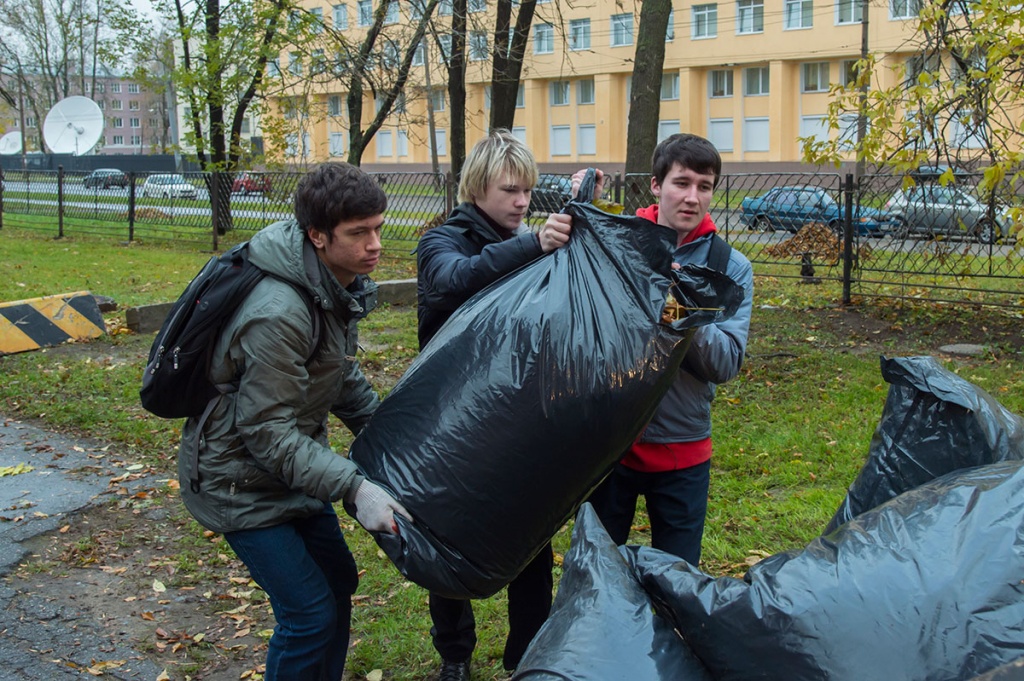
column 73, row 126
column 10, row 143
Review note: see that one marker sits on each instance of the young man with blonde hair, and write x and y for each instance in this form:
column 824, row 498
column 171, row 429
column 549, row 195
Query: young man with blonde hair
column 483, row 239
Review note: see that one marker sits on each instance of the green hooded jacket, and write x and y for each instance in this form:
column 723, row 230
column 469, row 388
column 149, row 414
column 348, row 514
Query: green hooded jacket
column 263, row 452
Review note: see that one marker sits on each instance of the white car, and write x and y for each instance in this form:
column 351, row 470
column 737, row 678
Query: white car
column 169, row 186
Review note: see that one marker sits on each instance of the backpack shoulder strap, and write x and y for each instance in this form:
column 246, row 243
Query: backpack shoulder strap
column 718, row 255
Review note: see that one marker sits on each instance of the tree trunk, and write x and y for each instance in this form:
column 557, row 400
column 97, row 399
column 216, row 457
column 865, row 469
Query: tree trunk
column 645, row 99
column 457, row 87
column 508, row 61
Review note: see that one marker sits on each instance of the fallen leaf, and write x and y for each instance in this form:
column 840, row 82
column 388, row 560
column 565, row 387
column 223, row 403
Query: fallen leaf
column 375, row 675
column 158, row 586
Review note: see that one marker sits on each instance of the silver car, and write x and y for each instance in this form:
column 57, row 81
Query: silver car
column 169, row 186
column 943, row 211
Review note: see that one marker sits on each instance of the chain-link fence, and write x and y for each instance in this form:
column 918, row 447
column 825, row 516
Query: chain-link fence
column 923, row 236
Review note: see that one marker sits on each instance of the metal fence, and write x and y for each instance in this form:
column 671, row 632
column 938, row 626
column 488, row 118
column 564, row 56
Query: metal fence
column 886, row 237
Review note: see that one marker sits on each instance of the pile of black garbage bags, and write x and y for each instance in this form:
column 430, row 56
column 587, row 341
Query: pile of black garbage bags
column 920, row 574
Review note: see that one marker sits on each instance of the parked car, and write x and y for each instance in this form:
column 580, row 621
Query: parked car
column 790, row 208
column 105, row 178
column 935, row 210
column 933, row 173
column 550, row 194
column 169, row 186
column 250, row 183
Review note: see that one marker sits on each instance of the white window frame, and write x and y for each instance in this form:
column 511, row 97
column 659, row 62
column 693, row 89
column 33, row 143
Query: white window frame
column 586, row 140
column 333, row 105
column 391, row 14
column 759, row 76
column 798, row 14
column 519, row 133
column 814, row 77
column 669, row 86
column 670, row 28
column 339, row 15
column 721, row 133
column 385, row 144
column 475, row 6
column 904, row 9
column 561, row 140
column 558, row 93
column 849, row 12
column 295, row 63
column 418, row 57
column 720, row 80
column 437, row 98
column 848, row 71
column 621, row 29
column 364, row 11
column 441, row 137
column 756, row 134
column 667, row 128
column 749, row 17
column 402, row 139
column 704, row 21
column 478, row 48
column 815, row 127
column 318, row 19
column 336, row 144
column 585, row 92
column 543, row 39
column 521, row 96
column 579, row 34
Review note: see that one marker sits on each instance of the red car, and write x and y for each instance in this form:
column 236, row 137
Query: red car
column 250, row 183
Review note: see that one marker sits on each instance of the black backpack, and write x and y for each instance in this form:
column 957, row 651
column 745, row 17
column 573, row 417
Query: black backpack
column 177, row 382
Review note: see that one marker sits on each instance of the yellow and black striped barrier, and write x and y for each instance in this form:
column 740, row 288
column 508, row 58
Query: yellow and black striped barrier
column 47, row 321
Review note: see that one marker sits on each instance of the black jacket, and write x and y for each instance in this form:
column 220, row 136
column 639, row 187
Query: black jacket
column 460, row 258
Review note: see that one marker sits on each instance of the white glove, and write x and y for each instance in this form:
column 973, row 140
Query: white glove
column 375, row 509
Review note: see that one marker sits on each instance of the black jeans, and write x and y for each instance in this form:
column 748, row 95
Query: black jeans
column 677, row 503
column 529, row 603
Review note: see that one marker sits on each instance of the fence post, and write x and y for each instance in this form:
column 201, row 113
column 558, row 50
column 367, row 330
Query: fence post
column 131, row 206
column 215, row 206
column 617, row 188
column 449, row 192
column 848, row 239
column 60, row 202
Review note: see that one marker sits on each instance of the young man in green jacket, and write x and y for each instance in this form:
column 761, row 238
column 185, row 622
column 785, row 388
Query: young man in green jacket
column 266, row 474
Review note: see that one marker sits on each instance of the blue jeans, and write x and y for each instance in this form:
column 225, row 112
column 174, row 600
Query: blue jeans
column 677, row 503
column 309, row 575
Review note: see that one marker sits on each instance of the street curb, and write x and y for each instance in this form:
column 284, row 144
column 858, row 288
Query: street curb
column 148, row 318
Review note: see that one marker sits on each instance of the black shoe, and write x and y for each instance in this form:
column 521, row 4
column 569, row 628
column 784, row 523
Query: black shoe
column 454, row 671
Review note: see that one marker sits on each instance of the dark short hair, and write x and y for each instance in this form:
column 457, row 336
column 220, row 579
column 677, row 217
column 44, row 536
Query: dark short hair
column 689, row 151
column 336, row 191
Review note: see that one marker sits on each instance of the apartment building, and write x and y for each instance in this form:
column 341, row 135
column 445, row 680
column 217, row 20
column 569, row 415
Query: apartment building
column 751, row 75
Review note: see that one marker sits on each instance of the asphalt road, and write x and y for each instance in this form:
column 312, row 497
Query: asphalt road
column 44, row 479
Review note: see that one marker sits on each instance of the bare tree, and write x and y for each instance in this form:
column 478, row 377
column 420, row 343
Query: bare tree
column 645, row 97
column 507, row 63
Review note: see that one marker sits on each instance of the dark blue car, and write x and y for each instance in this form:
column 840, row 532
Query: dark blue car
column 790, row 208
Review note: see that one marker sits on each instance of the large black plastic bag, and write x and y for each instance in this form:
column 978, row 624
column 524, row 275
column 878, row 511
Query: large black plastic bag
column 602, row 625
column 526, row 398
column 933, row 422
column 925, row 586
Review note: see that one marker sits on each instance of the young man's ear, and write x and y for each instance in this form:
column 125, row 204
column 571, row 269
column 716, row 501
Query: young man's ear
column 655, row 187
column 318, row 238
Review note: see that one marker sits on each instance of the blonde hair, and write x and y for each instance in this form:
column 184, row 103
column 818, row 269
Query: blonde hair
column 496, row 157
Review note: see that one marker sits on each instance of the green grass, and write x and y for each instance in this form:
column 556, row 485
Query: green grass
column 791, row 432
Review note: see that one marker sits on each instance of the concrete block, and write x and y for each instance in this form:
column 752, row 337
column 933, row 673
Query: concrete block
column 51, row 320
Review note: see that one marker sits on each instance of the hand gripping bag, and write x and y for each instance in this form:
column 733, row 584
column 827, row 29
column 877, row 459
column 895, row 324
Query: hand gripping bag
column 528, row 395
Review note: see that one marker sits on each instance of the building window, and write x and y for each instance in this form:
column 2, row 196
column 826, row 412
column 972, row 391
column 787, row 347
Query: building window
column 756, row 134
column 340, row 15
column 445, row 42
column 444, row 8
column 622, row 29
column 419, row 56
column 102, row 105
column 561, row 140
column 365, row 9
column 100, row 88
column 720, row 133
column 403, row 143
column 274, row 68
column 152, row 122
column 477, row 5
column 559, row 90
column 441, row 139
column 755, row 81
column 918, row 65
column 720, row 83
column 849, row 11
column 118, row 122
column 798, row 14
column 246, row 127
column 586, row 139
column 478, row 50
column 136, row 140
column 119, row 139
column 391, row 15
column 115, row 88
column 336, row 144
column 295, row 64
column 669, row 86
column 704, row 21
column 749, row 16
column 579, row 34
column 133, row 105
column 666, row 129
column 585, row 91
column 399, row 105
column 519, row 134
column 543, row 39
column 814, row 77
column 904, row 9
column 133, row 88
column 437, row 99
column 30, row 122
column 384, row 148
column 133, row 123
column 318, row 19
column 815, row 127
column 848, row 71
column 116, row 105
column 521, row 97
column 670, row 29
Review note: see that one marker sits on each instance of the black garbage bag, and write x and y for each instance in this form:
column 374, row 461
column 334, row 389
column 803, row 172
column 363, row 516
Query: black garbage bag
column 925, row 586
column 934, row 422
column 527, row 397
column 602, row 625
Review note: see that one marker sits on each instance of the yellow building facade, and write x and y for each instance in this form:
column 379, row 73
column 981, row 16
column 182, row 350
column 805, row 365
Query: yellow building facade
column 751, row 75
